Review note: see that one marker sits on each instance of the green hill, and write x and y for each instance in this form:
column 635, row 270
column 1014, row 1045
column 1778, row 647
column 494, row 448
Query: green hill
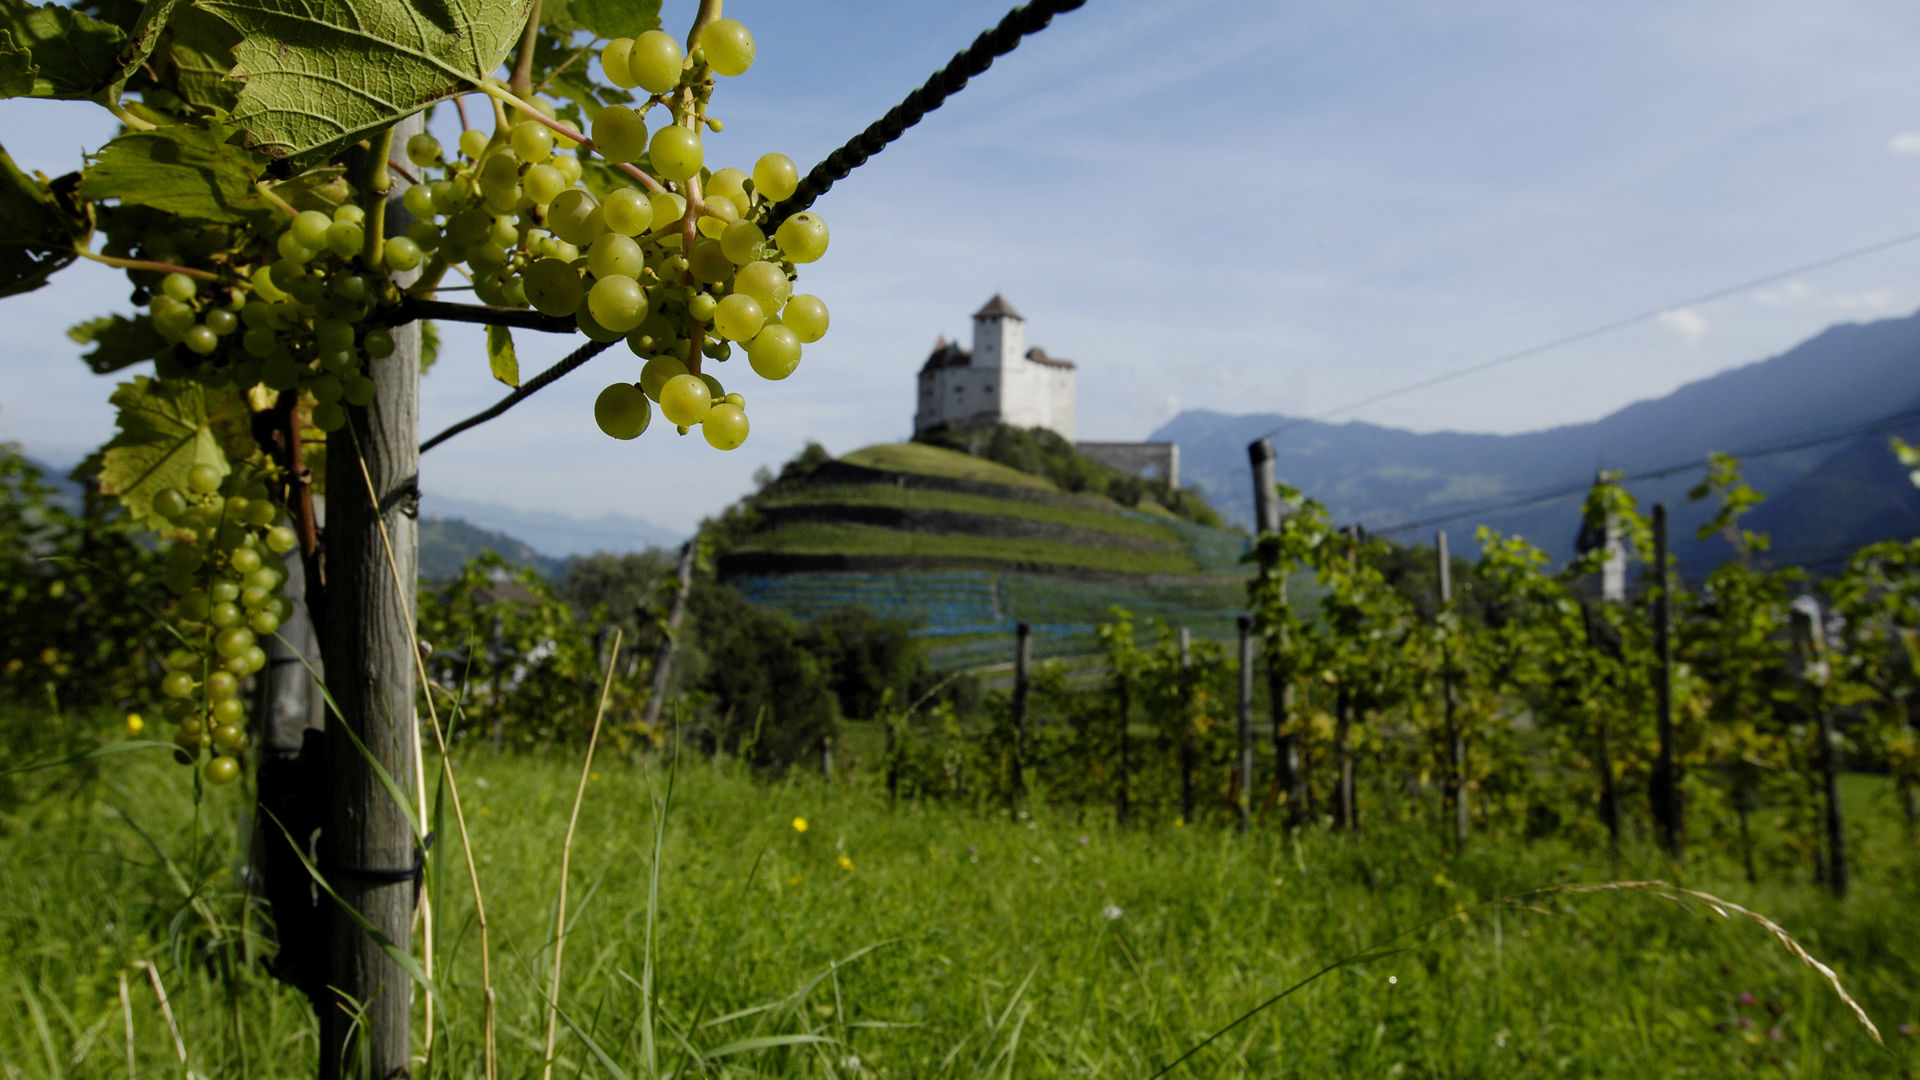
column 968, row 547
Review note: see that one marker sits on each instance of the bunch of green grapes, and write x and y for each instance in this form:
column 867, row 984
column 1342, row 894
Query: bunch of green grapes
column 224, row 568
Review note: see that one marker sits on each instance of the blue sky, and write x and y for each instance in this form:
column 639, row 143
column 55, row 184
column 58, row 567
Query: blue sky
column 1240, row 206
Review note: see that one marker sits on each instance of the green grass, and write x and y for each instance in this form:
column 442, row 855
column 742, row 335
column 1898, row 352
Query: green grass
column 831, row 538
column 934, row 461
column 1091, row 518
column 1060, row 948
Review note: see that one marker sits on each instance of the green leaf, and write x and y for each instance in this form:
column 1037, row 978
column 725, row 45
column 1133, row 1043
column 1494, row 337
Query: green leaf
column 36, row 231
column 56, row 52
column 321, row 74
column 500, row 356
column 166, row 428
column 184, row 170
column 194, row 60
column 429, row 346
column 117, row 342
column 614, row 18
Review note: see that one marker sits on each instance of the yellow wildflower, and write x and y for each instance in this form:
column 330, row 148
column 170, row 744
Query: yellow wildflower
column 799, row 824
column 846, row 863
column 134, row 723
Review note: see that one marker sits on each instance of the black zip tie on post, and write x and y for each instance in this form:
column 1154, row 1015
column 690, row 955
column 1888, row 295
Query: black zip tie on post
column 383, row 875
column 974, row 60
column 527, row 389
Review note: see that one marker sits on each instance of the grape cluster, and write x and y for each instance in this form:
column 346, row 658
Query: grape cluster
column 225, row 570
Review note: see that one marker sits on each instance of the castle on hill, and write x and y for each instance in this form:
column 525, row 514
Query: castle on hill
column 1002, row 381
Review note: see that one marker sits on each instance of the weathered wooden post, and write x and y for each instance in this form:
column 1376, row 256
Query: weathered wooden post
column 1243, row 791
column 1186, row 726
column 1022, row 687
column 1123, row 794
column 1346, row 809
column 1666, row 775
column 367, row 844
column 1456, row 739
column 1810, row 628
column 1289, row 778
column 663, row 656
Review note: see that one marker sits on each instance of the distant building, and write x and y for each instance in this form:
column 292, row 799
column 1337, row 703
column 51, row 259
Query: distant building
column 1002, row 381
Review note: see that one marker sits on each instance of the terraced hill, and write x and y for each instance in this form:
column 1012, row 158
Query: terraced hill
column 968, row 548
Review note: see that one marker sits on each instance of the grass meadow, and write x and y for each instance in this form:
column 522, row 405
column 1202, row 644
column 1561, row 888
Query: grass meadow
column 944, row 941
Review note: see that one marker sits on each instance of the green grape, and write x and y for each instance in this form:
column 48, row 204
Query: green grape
column 205, row 479
column 281, row 372
column 708, row 262
column 226, row 733
column 667, row 207
column 351, row 287
column 725, row 426
column 617, row 303
column 806, row 316
column 378, row 343
column 270, row 576
column 423, row 149
column 469, row 227
column 554, row 288
column 715, row 392
column 223, row 592
column 244, row 561
column 738, row 317
column 176, row 684
column 309, row 228
column 764, row 282
column 729, row 181
column 738, row 401
column 263, row 623
column 569, row 167
column 505, row 231
column 684, row 400
column 254, row 597
column 424, row 232
column 657, row 372
column 499, row 174
column 357, row 389
column 401, row 254
column 570, row 216
column 542, row 183
column 221, row 685
column 223, row 614
column 532, row 140
column 728, row 45
column 614, row 255
column 654, row 62
column 802, row 237
column 702, row 307
column 292, row 250
column 261, row 512
column 418, row 200
column 676, row 153
column 169, row 503
column 282, row 539
column 333, row 334
column 774, row 352
column 627, row 211
column 233, row 641
column 350, row 213
column 613, row 63
column 620, row 133
column 306, row 289
column 329, row 417
column 178, row 286
column 171, row 322
column 719, row 213
column 221, row 770
column 264, row 286
column 584, row 319
column 775, row 177
column 622, row 411
column 193, row 606
column 488, row 256
column 473, row 143
column 447, row 196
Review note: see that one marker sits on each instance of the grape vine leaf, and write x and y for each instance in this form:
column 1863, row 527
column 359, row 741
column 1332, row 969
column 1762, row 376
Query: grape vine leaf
column 117, row 342
column 604, row 19
column 56, row 52
column 501, row 358
column 37, row 231
column 182, row 169
column 321, row 74
column 194, row 59
column 166, row 428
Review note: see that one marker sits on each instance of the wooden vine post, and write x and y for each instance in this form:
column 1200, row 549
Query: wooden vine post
column 1665, row 788
column 676, row 614
column 1810, row 628
column 1243, row 789
column 1185, row 730
column 1456, row 739
column 1289, row 778
column 369, row 853
column 1022, row 689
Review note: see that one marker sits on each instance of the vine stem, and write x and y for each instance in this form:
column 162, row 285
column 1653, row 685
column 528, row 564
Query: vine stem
column 146, row 264
column 374, row 187
column 523, row 64
column 266, row 192
column 501, row 95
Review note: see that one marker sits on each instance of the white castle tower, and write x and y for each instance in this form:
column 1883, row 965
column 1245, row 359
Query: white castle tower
column 999, row 381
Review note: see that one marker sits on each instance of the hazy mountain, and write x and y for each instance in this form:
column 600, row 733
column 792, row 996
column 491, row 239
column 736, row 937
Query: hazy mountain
column 1834, row 493
column 557, row 535
column 447, row 543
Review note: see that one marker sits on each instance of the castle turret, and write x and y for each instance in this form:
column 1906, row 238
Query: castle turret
column 999, row 335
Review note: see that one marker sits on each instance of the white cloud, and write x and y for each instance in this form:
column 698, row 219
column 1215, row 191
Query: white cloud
column 1872, row 301
column 1688, row 323
column 1905, row 144
column 1172, row 404
column 1792, row 292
